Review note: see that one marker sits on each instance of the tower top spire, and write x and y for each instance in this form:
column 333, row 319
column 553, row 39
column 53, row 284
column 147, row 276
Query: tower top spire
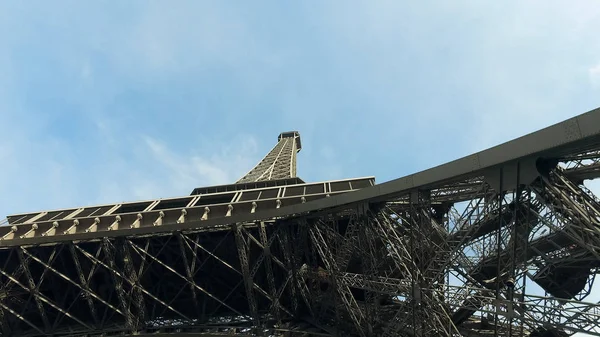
column 291, row 134
column 279, row 163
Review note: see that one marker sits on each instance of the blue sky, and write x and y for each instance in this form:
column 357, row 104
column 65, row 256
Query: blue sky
column 112, row 101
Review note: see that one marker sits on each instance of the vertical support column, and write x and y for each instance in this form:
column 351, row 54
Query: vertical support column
column 290, row 263
column 3, row 323
column 416, row 281
column 33, row 288
column 369, row 264
column 319, row 245
column 269, row 268
column 418, row 248
column 524, row 256
column 109, row 252
column 248, row 282
column 135, row 294
column 188, row 271
column 430, row 253
column 515, row 247
column 84, row 283
column 499, row 248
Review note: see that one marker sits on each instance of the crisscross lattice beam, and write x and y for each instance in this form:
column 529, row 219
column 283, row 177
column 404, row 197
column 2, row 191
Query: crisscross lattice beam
column 279, row 163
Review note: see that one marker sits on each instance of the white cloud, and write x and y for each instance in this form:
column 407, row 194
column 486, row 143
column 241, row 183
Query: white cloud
column 516, row 66
column 121, row 163
column 46, row 174
column 155, row 170
column 595, row 76
column 224, row 166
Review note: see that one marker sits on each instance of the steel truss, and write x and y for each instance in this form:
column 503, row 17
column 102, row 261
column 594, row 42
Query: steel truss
column 509, row 250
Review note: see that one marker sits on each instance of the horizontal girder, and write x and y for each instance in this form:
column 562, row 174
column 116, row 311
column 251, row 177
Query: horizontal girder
column 201, row 210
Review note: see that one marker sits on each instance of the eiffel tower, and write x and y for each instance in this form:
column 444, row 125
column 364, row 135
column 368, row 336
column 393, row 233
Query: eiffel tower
column 504, row 242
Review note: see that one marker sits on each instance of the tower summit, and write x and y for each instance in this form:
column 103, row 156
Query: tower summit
column 279, row 163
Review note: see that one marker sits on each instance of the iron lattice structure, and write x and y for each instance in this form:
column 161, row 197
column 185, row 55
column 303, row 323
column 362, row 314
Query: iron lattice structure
column 279, row 163
column 504, row 242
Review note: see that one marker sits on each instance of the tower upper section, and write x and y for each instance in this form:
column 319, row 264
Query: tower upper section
column 279, row 163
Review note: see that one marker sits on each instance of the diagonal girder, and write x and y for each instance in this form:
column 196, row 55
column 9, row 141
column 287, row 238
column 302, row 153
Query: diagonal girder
column 33, row 287
column 352, row 308
column 117, row 274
